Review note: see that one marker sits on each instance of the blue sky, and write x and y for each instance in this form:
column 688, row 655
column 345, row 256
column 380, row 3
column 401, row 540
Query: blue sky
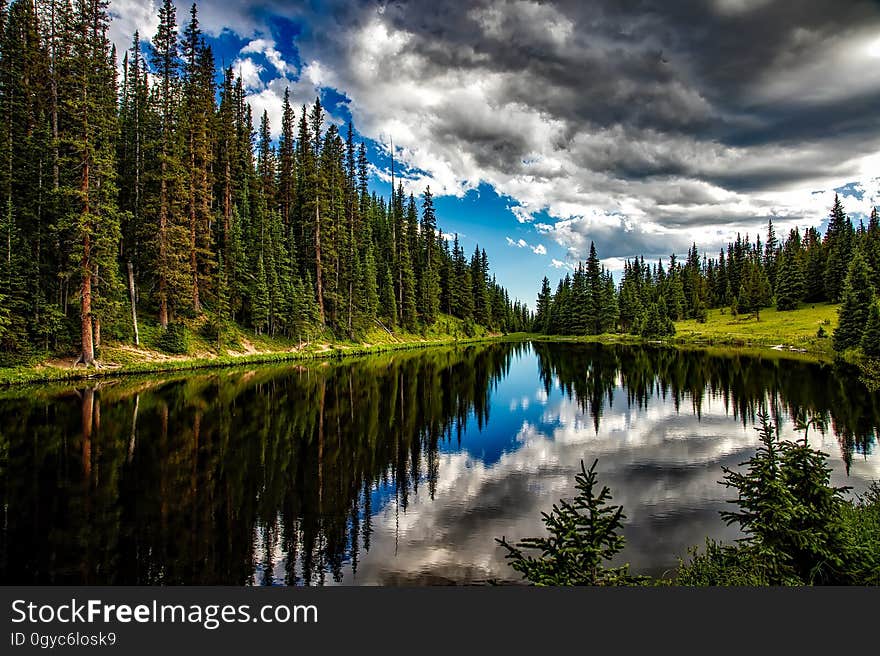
column 543, row 126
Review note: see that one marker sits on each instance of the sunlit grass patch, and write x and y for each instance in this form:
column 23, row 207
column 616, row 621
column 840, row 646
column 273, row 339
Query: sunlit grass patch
column 796, row 328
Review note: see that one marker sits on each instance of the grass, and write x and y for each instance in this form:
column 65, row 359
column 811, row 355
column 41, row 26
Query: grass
column 240, row 347
column 788, row 335
column 796, row 329
column 794, row 334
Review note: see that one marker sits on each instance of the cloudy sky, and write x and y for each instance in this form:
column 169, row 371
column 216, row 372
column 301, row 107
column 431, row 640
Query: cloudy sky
column 541, row 126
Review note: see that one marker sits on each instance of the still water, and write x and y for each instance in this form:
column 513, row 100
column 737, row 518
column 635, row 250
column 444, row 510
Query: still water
column 396, row 469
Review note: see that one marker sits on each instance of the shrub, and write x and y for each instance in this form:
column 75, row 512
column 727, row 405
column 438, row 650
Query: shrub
column 863, row 520
column 720, row 565
column 174, row 339
column 218, row 332
column 583, row 534
column 791, row 516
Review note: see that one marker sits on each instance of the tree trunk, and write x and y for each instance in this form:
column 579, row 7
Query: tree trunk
column 193, row 260
column 88, row 347
column 227, row 209
column 96, row 319
column 88, row 409
column 134, row 317
column 163, row 264
column 321, row 443
column 133, row 438
column 319, row 284
column 56, row 172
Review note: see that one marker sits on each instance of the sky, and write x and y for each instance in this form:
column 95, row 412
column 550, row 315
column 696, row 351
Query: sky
column 541, row 127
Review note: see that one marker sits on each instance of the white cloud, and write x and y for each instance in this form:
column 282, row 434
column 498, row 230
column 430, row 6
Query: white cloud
column 129, row 16
column 539, row 249
column 266, row 47
column 521, row 213
column 249, row 72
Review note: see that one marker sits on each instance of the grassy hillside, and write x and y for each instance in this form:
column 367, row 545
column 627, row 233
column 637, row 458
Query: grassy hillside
column 203, row 348
column 796, row 329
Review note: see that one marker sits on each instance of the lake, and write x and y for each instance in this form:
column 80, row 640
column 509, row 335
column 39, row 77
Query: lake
column 393, row 469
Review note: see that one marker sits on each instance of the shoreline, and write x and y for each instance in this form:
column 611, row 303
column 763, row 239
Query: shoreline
column 716, row 347
column 45, row 373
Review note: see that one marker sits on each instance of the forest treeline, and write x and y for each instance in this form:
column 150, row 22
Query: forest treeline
column 147, row 179
column 841, row 266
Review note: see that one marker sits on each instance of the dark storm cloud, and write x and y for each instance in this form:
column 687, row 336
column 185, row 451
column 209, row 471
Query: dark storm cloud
column 638, row 123
column 644, row 63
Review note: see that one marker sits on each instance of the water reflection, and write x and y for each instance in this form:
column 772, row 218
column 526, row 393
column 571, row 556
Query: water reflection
column 394, row 469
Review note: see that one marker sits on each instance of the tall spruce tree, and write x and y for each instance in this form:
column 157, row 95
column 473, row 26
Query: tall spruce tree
column 872, row 247
column 839, row 247
column 429, row 290
column 542, row 307
column 196, row 122
column 90, row 121
column 870, row 341
column 858, row 296
column 789, row 280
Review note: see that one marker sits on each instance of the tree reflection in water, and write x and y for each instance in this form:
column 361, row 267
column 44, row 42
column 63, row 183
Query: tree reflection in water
column 275, row 474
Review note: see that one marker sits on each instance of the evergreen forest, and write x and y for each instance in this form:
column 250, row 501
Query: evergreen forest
column 140, row 183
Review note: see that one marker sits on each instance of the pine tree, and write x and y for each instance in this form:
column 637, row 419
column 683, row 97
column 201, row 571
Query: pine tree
column 871, row 337
column 429, row 292
column 261, row 301
column 858, row 296
column 789, row 513
column 675, row 298
column 790, row 281
column 631, row 308
column 839, row 246
column 584, row 534
column 755, row 291
column 656, row 323
column 872, row 247
column 196, row 124
column 480, row 290
column 608, row 305
column 387, row 298
column 90, row 122
column 814, row 266
column 24, row 150
column 594, row 292
column 461, row 285
column 368, row 291
column 771, row 255
column 313, row 194
column 406, row 279
column 542, row 307
column 582, row 311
